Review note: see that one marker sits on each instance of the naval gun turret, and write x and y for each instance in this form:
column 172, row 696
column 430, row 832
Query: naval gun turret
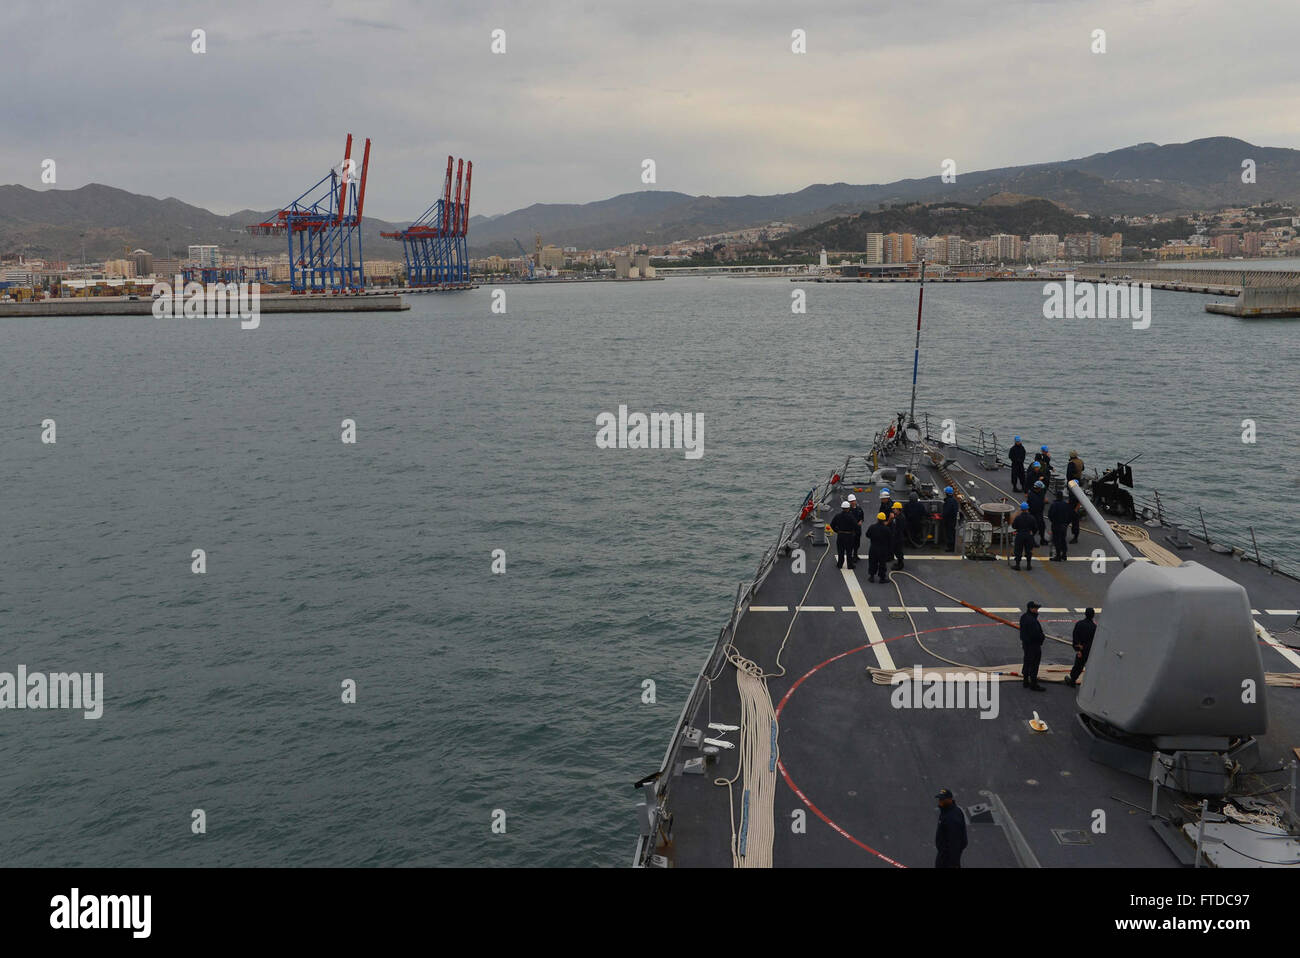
column 1175, row 683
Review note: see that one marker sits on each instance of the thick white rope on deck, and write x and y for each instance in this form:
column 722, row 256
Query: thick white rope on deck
column 751, row 842
column 751, row 846
column 1141, row 539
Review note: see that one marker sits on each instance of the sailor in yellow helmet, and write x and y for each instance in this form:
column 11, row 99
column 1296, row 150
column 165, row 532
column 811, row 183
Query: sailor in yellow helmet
column 897, row 532
column 881, row 540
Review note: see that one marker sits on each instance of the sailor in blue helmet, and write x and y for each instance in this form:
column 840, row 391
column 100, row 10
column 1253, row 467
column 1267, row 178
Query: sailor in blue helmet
column 1017, row 456
column 949, row 519
column 1031, row 640
column 1025, row 525
column 1035, row 472
column 1046, row 460
column 1037, row 499
column 950, row 837
column 1060, row 515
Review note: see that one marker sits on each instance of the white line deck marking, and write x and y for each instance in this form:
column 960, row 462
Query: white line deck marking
column 940, row 608
column 1286, row 653
column 1282, row 611
column 1095, row 608
column 883, row 658
column 1088, row 558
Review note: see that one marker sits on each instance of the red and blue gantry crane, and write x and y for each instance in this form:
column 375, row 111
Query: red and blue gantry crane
column 436, row 244
column 323, row 227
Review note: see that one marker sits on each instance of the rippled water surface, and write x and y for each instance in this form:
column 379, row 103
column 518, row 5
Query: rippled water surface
column 476, row 431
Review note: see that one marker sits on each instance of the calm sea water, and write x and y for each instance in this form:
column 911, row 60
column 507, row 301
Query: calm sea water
column 475, row 431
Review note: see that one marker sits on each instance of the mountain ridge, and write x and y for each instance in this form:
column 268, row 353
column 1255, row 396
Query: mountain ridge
column 1141, row 179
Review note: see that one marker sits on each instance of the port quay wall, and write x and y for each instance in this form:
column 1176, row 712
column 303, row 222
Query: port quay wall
column 268, row 304
column 1233, row 279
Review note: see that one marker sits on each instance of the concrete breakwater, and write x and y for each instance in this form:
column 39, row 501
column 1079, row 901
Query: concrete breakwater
column 1261, row 302
column 273, row 303
column 1260, row 292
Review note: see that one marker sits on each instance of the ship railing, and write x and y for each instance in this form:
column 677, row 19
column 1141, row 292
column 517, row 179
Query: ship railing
column 1242, row 539
column 745, row 595
column 785, row 536
column 662, row 786
column 711, row 669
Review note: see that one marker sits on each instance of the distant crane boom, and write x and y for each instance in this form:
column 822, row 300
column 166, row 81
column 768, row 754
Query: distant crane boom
column 435, row 245
column 527, row 262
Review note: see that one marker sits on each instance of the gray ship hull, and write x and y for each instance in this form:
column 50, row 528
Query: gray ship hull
column 857, row 774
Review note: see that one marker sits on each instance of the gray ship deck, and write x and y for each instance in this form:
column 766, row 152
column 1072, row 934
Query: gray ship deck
column 865, row 773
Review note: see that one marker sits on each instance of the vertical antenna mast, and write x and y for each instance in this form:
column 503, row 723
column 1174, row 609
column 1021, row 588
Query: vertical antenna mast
column 916, row 354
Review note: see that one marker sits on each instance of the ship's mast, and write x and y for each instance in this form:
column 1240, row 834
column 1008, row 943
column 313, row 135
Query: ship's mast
column 916, row 354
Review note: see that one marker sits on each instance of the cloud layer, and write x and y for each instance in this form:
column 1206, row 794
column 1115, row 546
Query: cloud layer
column 586, row 91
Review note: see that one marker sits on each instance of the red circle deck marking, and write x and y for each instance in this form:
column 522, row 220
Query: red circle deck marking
column 807, row 675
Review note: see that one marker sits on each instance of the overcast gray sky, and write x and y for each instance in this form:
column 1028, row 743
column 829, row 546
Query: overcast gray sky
column 585, row 91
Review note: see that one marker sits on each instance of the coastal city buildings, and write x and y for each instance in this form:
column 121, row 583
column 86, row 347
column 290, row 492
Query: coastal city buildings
column 899, row 248
column 205, row 256
column 1269, row 230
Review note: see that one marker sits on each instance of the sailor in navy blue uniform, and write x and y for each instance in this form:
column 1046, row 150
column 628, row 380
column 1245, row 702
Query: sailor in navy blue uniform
column 1037, row 500
column 881, row 548
column 846, row 532
column 859, row 517
column 949, row 519
column 886, row 502
column 1060, row 515
column 1017, row 456
column 1085, row 630
column 1025, row 525
column 915, row 515
column 898, row 529
column 950, row 836
column 1031, row 640
column 1034, row 473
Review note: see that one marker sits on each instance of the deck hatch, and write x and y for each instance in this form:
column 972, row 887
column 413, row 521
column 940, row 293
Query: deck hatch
column 1071, row 836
